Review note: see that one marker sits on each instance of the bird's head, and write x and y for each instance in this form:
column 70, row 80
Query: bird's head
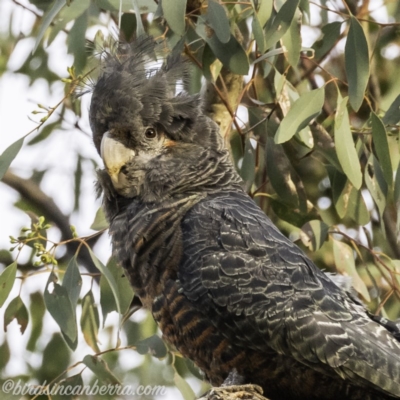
column 153, row 138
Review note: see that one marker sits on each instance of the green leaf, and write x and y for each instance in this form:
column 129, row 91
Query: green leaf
column 4, row 354
column 174, row 13
column 184, row 387
column 357, row 63
column 392, row 116
column 217, row 19
column 281, row 22
column 107, row 299
column 231, row 54
column 77, row 42
column 331, row 33
column 293, row 216
column 344, row 144
column 313, row 234
column 264, row 11
column 16, row 310
column 68, row 385
column 145, row 6
column 60, row 308
column 90, row 321
column 258, row 34
column 7, row 279
column 37, row 311
column 344, row 260
column 124, row 290
column 376, row 185
column 44, row 133
column 78, row 182
column 397, row 199
column 8, row 156
column 47, row 20
column 152, row 345
column 380, row 140
column 110, row 280
column 291, row 40
column 55, row 361
column 283, row 177
column 303, row 110
column 247, row 170
column 72, row 281
column 67, row 14
column 100, row 221
column 100, row 369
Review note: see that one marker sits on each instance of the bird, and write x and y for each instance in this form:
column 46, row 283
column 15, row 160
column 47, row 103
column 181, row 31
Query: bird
column 227, row 289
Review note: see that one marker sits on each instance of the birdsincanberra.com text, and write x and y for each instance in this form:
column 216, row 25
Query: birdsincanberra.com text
column 20, row 388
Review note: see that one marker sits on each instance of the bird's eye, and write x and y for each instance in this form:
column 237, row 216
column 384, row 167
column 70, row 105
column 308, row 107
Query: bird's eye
column 150, row 133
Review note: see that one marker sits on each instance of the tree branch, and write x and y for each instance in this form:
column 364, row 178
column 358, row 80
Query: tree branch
column 31, row 192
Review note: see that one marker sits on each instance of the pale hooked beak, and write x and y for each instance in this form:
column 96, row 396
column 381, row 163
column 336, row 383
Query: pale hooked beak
column 115, row 155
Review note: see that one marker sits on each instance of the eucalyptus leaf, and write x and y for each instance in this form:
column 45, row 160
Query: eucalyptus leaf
column 231, row 54
column 345, row 264
column 174, row 13
column 392, row 115
column 306, row 108
column 90, row 321
column 381, row 143
column 217, row 19
column 247, row 171
column 72, row 281
column 60, row 307
column 7, row 279
column 16, row 310
column 344, row 144
column 357, row 63
column 281, row 22
column 8, row 156
column 291, row 40
column 313, row 234
column 101, row 369
column 48, row 19
column 331, row 34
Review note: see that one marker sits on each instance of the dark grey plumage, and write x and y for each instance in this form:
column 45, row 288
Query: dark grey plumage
column 226, row 287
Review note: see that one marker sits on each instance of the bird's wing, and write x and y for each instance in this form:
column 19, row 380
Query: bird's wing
column 259, row 288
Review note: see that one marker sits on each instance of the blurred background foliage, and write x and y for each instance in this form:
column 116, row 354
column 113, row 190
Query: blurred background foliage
column 307, row 96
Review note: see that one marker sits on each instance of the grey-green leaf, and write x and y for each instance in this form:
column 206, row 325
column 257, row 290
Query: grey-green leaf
column 100, row 369
column 100, row 221
column 292, row 39
column 380, row 140
column 60, row 307
column 110, row 278
column 303, row 110
column 281, row 22
column 8, row 156
column 331, row 33
column 73, row 281
column 247, row 170
column 357, row 63
column 16, row 310
column 345, row 264
column 392, row 116
column 90, row 321
column 216, row 17
column 174, row 13
column 231, row 54
column 314, row 233
column 7, row 279
column 47, row 20
column 344, row 144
